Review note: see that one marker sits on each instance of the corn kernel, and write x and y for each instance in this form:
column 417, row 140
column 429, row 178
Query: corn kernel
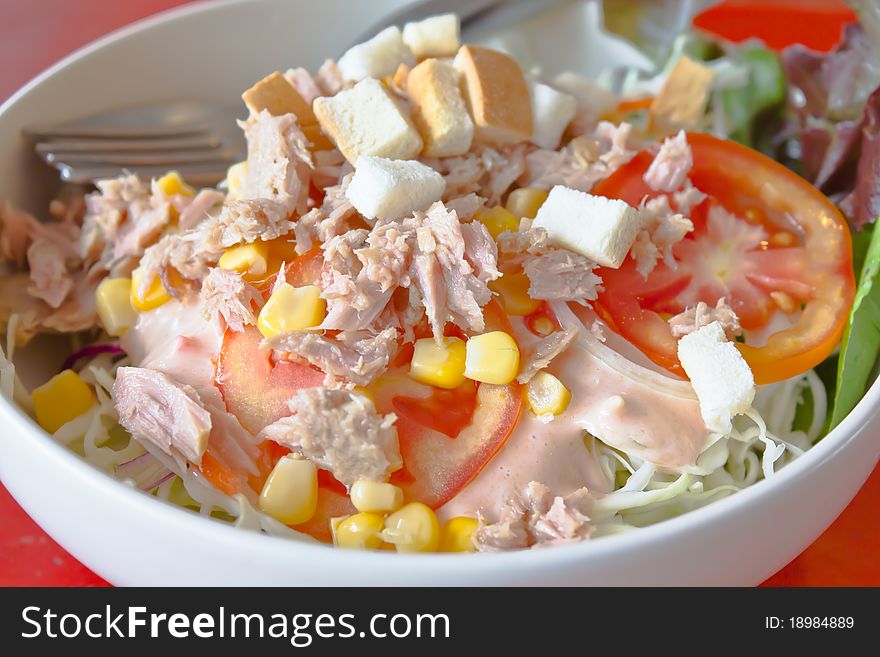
column 375, row 496
column 457, row 535
column 247, row 259
column 172, row 184
column 526, row 201
column 290, row 494
column 438, row 365
column 235, row 177
column 414, row 528
column 155, row 296
column 513, row 291
column 292, row 309
column 359, row 532
column 497, row 220
column 546, row 394
column 492, row 358
column 113, row 303
column 61, row 399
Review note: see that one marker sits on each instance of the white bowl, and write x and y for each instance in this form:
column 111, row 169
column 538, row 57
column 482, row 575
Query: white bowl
column 213, row 51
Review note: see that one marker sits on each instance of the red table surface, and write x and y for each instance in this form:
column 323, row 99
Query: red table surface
column 37, row 33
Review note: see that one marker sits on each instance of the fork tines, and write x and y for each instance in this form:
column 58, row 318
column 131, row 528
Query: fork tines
column 85, row 154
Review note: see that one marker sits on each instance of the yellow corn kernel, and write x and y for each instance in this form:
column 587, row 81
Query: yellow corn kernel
column 457, row 535
column 113, row 303
column 172, row 184
column 526, row 201
column 292, row 309
column 61, row 399
column 375, row 496
column 235, row 177
column 155, row 296
column 247, row 259
column 414, row 528
column 290, row 494
column 497, row 220
column 546, row 394
column 359, row 532
column 440, row 365
column 492, row 358
column 513, row 292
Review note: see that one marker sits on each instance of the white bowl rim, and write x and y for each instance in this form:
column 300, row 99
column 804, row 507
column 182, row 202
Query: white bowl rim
column 249, row 542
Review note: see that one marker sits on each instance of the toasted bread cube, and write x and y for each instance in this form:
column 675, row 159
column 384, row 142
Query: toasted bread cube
column 682, row 99
column 552, row 111
column 438, row 110
column 722, row 379
column 435, row 36
column 599, row 228
column 496, row 94
column 367, row 120
column 392, row 189
column 376, row 58
column 277, row 96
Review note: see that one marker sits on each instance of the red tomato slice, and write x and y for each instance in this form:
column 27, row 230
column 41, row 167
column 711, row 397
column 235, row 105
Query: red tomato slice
column 817, row 24
column 726, row 256
column 446, row 437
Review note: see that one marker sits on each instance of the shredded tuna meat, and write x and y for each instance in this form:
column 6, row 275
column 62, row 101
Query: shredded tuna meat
column 663, row 229
column 225, row 296
column 200, row 208
column 584, row 161
column 698, row 316
column 50, row 280
column 350, row 359
column 525, row 240
column 671, row 165
column 279, row 162
column 329, row 78
column 536, row 519
column 155, row 408
column 562, row 275
column 304, row 84
column 465, row 206
column 544, row 352
column 190, row 252
column 339, row 431
column 448, row 263
column 326, row 222
column 486, row 171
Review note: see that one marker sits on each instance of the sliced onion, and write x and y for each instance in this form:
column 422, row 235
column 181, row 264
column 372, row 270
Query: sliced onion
column 146, row 471
column 91, row 351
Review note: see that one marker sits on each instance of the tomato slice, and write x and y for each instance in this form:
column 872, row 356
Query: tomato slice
column 817, row 24
column 446, row 436
column 728, row 256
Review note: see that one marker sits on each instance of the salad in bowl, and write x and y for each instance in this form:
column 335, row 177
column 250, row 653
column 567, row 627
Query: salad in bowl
column 448, row 305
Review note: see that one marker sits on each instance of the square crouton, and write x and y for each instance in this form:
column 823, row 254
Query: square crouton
column 496, row 94
column 719, row 374
column 599, row 228
column 368, row 120
column 438, row 110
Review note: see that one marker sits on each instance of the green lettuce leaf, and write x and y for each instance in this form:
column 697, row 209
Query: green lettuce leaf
column 861, row 339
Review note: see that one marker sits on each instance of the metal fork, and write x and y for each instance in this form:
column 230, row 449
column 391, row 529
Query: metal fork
column 198, row 139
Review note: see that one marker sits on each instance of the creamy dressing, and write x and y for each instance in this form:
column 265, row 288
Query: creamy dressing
column 640, row 411
column 175, row 339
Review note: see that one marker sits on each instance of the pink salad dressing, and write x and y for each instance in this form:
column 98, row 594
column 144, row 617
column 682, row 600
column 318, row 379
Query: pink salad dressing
column 639, row 411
